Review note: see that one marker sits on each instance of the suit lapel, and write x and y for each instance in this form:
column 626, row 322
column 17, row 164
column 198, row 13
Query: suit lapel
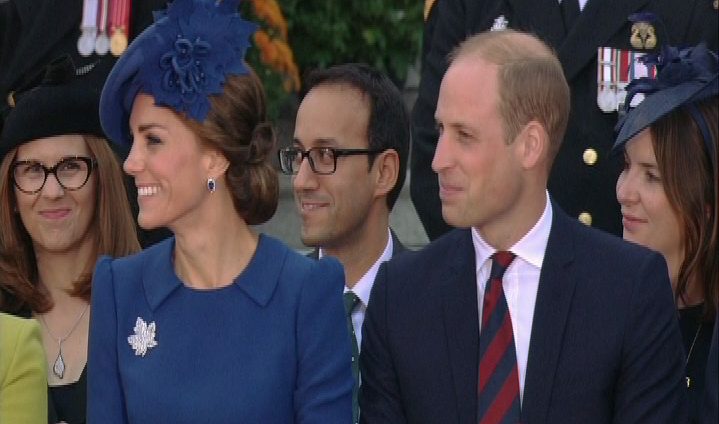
column 461, row 324
column 580, row 45
column 554, row 298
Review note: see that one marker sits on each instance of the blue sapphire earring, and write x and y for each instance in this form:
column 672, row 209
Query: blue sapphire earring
column 211, row 185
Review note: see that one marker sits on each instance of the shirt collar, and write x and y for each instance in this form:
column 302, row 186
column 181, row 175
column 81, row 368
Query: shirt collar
column 363, row 287
column 530, row 248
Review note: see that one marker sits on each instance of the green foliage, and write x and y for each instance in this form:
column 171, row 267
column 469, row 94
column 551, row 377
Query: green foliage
column 385, row 34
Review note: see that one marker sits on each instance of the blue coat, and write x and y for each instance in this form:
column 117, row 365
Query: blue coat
column 605, row 344
column 272, row 347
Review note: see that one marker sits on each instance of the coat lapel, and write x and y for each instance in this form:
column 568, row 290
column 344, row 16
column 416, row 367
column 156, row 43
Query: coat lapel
column 586, row 36
column 462, row 324
column 554, row 298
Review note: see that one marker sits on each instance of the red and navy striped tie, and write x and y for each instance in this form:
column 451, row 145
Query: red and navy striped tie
column 498, row 385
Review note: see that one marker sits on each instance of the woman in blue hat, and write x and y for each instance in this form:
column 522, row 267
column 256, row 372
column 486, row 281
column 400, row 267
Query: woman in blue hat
column 668, row 191
column 216, row 324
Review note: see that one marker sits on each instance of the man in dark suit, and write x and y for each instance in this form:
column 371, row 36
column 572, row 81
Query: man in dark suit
column 575, row 325
column 583, row 178
column 353, row 129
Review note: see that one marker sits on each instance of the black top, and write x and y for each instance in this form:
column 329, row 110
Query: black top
column 68, row 402
column 693, row 327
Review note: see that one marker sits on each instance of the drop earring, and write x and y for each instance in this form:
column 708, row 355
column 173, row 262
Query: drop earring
column 211, row 185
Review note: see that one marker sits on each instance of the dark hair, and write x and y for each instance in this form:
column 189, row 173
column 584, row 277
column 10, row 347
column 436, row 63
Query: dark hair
column 237, row 126
column 388, row 126
column 690, row 182
column 116, row 234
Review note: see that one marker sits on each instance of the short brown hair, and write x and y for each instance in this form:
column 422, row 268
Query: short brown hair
column 237, row 126
column 690, row 183
column 532, row 85
column 116, row 233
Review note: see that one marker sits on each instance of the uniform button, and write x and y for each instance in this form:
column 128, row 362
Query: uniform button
column 585, row 218
column 590, row 156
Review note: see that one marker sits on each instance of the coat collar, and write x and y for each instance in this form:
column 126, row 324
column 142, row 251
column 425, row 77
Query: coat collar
column 258, row 280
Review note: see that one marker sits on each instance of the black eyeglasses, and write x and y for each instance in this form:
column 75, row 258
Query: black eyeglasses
column 71, row 173
column 323, row 160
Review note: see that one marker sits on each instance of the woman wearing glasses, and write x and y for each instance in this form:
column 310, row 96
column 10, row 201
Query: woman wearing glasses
column 62, row 204
column 216, row 324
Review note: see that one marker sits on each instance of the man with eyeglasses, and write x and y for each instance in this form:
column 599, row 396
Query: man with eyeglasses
column 348, row 158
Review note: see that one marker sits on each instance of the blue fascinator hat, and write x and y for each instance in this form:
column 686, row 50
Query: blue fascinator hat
column 684, row 77
column 181, row 59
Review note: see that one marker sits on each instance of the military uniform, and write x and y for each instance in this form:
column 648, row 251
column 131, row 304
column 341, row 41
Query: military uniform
column 584, row 175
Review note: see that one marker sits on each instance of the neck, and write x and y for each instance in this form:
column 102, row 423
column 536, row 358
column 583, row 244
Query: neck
column 507, row 230
column 360, row 251
column 58, row 271
column 215, row 249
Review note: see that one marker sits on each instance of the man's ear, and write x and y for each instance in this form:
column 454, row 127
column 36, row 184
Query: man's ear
column 533, row 145
column 387, row 171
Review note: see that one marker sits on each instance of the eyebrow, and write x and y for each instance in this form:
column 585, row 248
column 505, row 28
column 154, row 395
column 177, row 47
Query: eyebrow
column 62, row 158
column 320, row 142
column 146, row 127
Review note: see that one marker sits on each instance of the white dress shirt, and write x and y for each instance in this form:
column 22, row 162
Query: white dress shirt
column 520, row 282
column 363, row 287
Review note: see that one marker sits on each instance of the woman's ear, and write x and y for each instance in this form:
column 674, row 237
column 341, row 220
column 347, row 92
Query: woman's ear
column 217, row 163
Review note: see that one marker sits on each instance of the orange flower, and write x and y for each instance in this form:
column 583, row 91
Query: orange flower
column 269, row 11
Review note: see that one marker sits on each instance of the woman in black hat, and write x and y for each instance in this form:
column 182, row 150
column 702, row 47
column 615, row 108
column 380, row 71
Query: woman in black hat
column 216, row 324
column 668, row 191
column 62, row 204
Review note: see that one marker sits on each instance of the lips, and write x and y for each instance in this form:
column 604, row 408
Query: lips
column 447, row 190
column 631, row 222
column 55, row 214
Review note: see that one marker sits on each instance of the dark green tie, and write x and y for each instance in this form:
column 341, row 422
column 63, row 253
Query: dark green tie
column 351, row 302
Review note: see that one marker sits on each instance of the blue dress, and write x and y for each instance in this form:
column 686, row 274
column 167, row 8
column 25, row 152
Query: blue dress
column 272, row 347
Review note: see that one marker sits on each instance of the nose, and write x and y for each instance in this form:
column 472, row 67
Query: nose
column 626, row 188
column 134, row 163
column 52, row 188
column 442, row 154
column 305, row 179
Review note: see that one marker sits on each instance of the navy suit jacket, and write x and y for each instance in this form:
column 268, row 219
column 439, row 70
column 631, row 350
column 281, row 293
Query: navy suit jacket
column 272, row 347
column 605, row 344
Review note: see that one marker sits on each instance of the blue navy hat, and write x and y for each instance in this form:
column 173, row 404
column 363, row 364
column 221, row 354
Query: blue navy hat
column 181, row 59
column 684, row 77
column 64, row 100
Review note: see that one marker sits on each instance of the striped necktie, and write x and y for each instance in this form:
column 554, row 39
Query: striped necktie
column 498, row 385
column 351, row 302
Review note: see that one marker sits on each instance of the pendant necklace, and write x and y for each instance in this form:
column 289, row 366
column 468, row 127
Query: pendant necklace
column 691, row 348
column 58, row 367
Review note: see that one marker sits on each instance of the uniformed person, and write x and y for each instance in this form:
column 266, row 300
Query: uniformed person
column 583, row 177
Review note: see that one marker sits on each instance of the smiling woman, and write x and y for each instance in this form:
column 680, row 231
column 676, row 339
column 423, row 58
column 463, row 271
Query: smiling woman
column 669, row 194
column 62, row 204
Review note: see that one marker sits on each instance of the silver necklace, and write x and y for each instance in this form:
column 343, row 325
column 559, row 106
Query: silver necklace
column 691, row 349
column 58, row 367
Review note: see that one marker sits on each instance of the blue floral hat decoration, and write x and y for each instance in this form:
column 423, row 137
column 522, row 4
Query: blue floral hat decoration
column 181, row 59
column 684, row 77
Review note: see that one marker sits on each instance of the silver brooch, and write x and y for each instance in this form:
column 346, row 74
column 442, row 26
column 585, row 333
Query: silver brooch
column 500, row 23
column 144, row 337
